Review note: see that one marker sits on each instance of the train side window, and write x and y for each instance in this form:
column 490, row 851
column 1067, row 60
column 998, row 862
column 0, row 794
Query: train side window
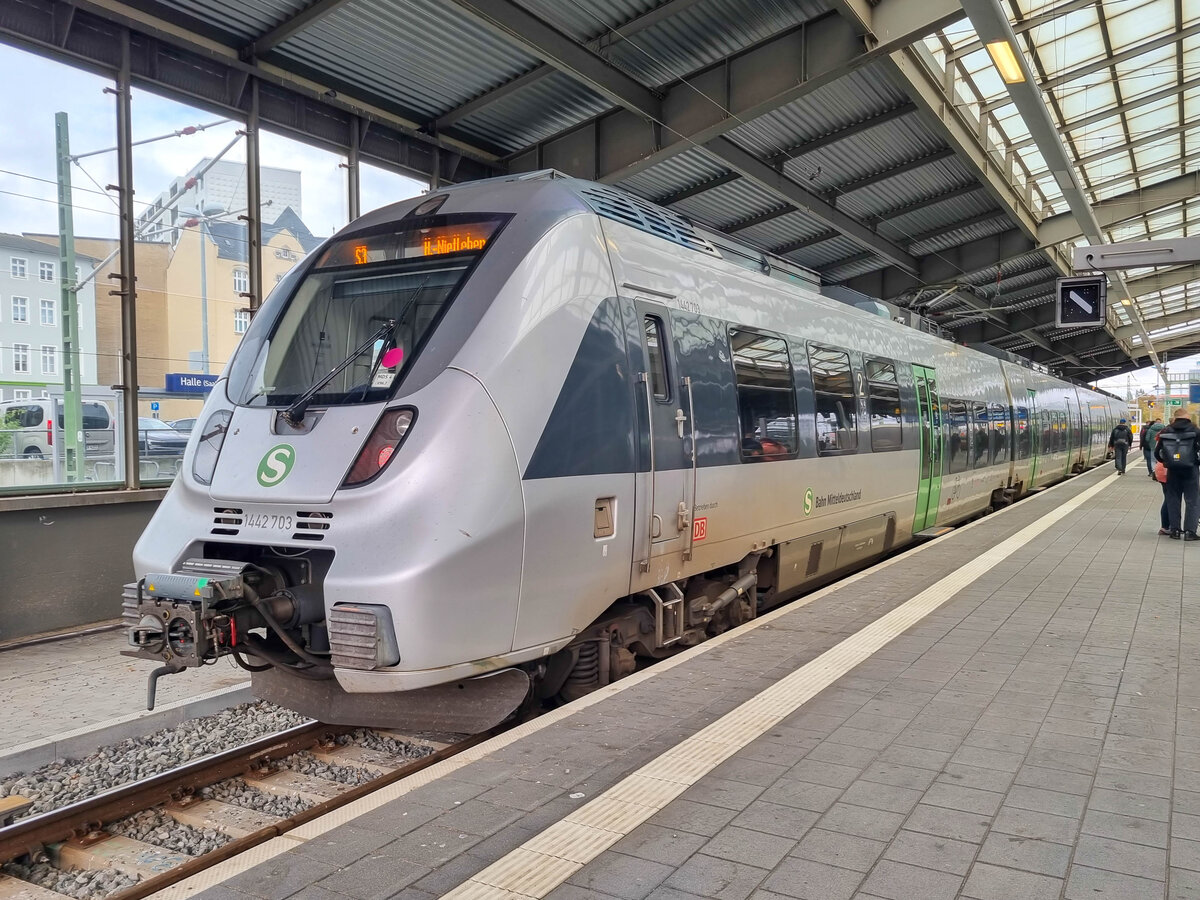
column 1024, row 433
column 655, row 353
column 884, row 393
column 979, row 435
column 998, row 413
column 766, row 396
column 958, row 423
column 835, row 400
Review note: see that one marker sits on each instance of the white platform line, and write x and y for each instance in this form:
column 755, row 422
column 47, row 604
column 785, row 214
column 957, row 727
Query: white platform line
column 317, row 827
column 547, row 860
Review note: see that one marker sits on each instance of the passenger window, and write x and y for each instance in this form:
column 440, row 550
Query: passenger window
column 884, row 394
column 1024, row 435
column 959, row 425
column 659, row 385
column 833, row 392
column 980, row 435
column 766, row 396
column 999, row 416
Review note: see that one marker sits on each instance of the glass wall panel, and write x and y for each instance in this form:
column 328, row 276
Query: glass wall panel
column 378, row 187
column 305, row 198
column 189, row 171
column 59, row 327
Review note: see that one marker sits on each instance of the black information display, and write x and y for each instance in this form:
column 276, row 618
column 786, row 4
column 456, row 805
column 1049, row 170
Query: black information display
column 1080, row 301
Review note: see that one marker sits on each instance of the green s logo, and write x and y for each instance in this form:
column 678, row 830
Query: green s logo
column 276, row 465
column 808, row 501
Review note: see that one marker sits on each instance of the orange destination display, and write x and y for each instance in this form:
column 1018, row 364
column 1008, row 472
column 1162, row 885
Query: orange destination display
column 432, row 240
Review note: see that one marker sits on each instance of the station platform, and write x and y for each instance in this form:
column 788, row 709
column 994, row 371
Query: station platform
column 79, row 683
column 1010, row 711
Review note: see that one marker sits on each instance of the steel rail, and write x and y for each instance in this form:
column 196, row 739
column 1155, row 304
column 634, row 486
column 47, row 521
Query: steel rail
column 198, row 864
column 28, row 835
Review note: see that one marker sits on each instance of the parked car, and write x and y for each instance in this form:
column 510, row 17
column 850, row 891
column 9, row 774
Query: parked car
column 33, row 433
column 157, row 438
column 184, row 426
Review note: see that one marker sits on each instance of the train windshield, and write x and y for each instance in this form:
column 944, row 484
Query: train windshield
column 363, row 310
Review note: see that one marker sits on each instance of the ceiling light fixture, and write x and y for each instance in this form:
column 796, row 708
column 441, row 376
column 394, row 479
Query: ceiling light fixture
column 1005, row 60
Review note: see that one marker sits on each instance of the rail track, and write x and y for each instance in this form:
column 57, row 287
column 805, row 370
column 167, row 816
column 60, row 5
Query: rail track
column 76, row 836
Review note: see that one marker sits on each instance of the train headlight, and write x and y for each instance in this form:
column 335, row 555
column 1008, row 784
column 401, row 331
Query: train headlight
column 208, row 450
column 381, row 446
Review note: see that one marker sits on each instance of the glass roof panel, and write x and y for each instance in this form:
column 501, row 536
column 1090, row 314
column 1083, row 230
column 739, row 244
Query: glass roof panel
column 1132, row 24
column 1085, row 101
column 1061, row 50
column 1154, row 117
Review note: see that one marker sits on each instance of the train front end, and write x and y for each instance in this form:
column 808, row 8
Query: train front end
column 348, row 524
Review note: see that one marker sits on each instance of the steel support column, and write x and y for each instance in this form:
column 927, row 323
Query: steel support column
column 253, row 215
column 128, row 275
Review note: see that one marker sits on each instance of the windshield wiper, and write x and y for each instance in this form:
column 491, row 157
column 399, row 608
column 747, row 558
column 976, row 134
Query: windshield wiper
column 294, row 414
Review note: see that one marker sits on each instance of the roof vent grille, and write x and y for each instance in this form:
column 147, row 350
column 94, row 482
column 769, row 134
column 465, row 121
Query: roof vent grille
column 646, row 216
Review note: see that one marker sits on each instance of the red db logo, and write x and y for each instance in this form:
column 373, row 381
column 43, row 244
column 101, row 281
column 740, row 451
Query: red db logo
column 700, row 529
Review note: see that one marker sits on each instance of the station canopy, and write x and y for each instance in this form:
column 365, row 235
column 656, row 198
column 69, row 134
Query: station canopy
column 872, row 142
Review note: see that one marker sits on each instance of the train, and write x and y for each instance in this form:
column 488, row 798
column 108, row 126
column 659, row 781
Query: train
column 502, row 443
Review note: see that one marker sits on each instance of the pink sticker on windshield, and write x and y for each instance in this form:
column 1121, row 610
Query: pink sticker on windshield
column 392, row 358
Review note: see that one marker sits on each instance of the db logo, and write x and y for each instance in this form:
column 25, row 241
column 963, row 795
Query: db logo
column 700, row 529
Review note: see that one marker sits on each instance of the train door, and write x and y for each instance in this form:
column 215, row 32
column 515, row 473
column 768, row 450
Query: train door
column 1035, row 437
column 929, row 485
column 665, row 518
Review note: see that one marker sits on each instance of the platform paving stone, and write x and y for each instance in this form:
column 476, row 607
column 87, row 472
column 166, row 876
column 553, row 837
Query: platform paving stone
column 1037, row 736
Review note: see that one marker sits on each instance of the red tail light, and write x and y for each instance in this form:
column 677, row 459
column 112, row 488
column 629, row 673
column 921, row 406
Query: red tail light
column 381, row 446
column 50, row 432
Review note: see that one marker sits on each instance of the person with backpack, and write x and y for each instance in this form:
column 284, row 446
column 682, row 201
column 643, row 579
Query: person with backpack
column 1179, row 450
column 1119, row 442
column 1149, row 439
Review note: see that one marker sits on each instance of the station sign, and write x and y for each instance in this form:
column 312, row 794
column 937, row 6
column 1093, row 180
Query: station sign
column 1079, row 301
column 187, row 383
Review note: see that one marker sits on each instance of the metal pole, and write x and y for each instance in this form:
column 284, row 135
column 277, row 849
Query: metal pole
column 355, row 204
column 72, row 442
column 254, row 203
column 204, row 288
column 128, row 276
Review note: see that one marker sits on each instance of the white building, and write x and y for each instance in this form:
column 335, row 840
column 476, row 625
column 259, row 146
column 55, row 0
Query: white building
column 30, row 319
column 224, row 185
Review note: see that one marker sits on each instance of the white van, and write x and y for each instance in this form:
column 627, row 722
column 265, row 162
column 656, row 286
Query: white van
column 33, row 433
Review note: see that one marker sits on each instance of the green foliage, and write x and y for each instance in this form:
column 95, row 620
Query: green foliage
column 8, row 424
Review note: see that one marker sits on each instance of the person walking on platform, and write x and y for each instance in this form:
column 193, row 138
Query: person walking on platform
column 1149, row 439
column 1118, row 443
column 1179, row 450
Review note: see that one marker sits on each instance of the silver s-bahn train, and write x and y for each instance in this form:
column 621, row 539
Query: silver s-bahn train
column 500, row 441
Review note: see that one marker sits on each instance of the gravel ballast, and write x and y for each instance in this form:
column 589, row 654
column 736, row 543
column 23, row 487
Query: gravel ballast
column 83, row 885
column 61, row 783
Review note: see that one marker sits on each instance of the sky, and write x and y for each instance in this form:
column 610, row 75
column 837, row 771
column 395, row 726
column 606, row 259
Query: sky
column 27, row 152
column 1148, row 378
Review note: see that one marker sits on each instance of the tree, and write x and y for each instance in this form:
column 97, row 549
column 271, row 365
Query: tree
column 8, row 426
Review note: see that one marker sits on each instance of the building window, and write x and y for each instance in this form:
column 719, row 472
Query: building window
column 884, row 394
column 20, row 394
column 241, row 321
column 48, row 313
column 17, row 267
column 241, row 281
column 45, row 271
column 49, row 360
column 21, row 359
column 766, row 397
column 834, row 397
column 20, row 309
